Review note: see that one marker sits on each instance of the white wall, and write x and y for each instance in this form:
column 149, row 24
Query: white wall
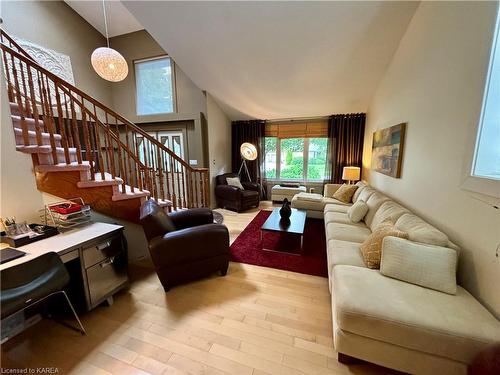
column 219, row 143
column 435, row 83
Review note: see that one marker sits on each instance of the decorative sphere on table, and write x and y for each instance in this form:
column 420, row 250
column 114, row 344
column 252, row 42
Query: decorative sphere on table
column 285, row 210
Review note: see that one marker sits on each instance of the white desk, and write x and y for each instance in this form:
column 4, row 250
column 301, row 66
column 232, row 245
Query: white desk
column 65, row 244
column 95, row 246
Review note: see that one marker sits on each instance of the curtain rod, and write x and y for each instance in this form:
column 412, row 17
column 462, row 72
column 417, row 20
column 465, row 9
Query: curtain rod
column 294, row 119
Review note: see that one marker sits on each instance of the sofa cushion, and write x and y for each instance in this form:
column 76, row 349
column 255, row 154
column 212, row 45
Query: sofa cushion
column 347, row 232
column 333, row 207
column 311, row 197
column 361, row 185
column 314, row 205
column 357, row 211
column 345, row 193
column 389, row 210
column 371, row 248
column 366, row 193
column 344, row 253
column 429, row 266
column 420, row 231
column 330, row 189
column 374, row 203
column 340, row 217
column 452, row 326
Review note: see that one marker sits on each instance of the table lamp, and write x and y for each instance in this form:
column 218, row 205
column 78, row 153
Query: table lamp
column 350, row 174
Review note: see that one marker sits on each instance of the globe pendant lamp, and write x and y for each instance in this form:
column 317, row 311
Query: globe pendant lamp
column 107, row 62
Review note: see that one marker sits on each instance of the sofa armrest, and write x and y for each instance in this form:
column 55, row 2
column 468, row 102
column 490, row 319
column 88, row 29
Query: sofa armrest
column 228, row 192
column 191, row 218
column 189, row 245
column 330, row 189
column 251, row 185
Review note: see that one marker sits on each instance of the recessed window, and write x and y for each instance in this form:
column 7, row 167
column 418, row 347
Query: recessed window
column 154, row 85
column 487, row 154
column 302, row 159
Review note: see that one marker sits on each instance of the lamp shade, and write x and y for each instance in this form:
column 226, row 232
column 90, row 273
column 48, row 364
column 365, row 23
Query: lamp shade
column 109, row 64
column 248, row 151
column 350, row 173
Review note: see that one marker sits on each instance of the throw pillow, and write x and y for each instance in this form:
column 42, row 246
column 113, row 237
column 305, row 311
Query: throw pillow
column 235, row 181
column 371, row 249
column 432, row 267
column 357, row 211
column 345, row 193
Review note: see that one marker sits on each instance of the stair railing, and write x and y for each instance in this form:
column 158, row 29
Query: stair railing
column 81, row 130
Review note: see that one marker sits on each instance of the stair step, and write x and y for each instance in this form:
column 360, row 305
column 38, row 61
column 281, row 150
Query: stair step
column 98, row 181
column 30, row 122
column 18, row 132
column 44, row 149
column 63, row 167
column 34, row 149
column 164, row 202
column 14, row 108
column 119, row 196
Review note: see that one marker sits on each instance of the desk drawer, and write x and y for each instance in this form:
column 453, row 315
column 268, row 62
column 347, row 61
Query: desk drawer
column 101, row 251
column 107, row 276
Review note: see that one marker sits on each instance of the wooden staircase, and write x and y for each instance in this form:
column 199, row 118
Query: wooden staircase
column 82, row 148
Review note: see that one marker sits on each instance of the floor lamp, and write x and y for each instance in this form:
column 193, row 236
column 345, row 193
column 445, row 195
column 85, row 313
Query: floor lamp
column 248, row 152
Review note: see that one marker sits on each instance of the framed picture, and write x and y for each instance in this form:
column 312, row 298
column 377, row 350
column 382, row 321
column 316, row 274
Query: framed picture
column 387, row 150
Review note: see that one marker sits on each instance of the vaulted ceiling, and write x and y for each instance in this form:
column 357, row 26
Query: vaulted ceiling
column 280, row 59
column 120, row 21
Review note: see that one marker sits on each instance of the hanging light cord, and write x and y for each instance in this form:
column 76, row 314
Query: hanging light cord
column 105, row 21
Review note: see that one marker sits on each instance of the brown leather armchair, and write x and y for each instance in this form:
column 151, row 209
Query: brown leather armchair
column 184, row 245
column 233, row 198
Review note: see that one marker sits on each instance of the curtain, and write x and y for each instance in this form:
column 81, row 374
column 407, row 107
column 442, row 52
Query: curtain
column 346, row 134
column 252, row 131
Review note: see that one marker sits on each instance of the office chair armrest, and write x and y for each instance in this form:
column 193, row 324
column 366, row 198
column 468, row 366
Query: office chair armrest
column 191, row 218
column 189, row 245
column 251, row 185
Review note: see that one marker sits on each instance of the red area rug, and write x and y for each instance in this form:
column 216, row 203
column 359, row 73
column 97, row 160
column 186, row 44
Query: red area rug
column 247, row 248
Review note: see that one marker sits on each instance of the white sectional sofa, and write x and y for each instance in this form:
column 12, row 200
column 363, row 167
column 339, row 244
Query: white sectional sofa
column 390, row 322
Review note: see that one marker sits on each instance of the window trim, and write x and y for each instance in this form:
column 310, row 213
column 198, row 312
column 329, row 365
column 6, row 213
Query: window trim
column 470, row 181
column 491, row 62
column 305, row 161
column 173, row 79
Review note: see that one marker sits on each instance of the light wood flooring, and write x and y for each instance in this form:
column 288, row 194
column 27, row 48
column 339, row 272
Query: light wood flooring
column 254, row 321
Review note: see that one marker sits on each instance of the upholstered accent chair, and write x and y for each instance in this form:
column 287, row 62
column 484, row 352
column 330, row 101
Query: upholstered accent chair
column 184, row 245
column 233, row 198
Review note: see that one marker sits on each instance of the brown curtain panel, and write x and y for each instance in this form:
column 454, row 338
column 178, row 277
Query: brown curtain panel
column 346, row 133
column 252, row 131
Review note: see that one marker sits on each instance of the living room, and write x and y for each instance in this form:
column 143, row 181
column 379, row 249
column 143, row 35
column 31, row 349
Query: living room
column 265, row 187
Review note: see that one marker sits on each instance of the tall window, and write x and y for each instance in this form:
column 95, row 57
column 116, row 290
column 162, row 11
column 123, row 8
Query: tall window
column 154, row 85
column 296, row 158
column 487, row 154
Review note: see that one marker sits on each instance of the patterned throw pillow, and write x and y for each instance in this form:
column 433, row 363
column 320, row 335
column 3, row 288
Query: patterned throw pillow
column 345, row 193
column 235, row 181
column 371, row 249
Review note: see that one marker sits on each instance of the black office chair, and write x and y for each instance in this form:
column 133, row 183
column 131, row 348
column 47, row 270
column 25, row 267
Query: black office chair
column 26, row 284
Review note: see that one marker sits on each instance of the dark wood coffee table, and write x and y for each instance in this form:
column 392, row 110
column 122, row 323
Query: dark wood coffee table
column 294, row 227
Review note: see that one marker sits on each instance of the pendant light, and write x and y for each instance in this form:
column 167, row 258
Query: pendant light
column 107, row 62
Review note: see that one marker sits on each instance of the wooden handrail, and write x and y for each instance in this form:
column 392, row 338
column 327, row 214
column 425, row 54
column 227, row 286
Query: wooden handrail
column 152, row 166
column 94, row 101
column 3, row 34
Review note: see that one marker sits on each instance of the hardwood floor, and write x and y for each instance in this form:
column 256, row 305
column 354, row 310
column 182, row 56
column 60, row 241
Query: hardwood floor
column 254, row 321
